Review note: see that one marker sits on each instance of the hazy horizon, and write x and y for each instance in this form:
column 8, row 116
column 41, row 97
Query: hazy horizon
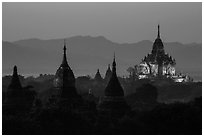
column 34, row 38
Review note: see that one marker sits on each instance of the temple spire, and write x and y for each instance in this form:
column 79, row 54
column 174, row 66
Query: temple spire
column 158, row 36
column 64, row 61
column 114, row 64
column 114, row 88
column 64, row 47
column 15, row 82
column 15, row 72
column 108, row 73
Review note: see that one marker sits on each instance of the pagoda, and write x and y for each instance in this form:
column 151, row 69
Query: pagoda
column 113, row 103
column 64, row 81
column 18, row 98
column 157, row 63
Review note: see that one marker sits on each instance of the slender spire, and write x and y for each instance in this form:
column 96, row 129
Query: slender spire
column 64, row 47
column 114, row 88
column 114, row 64
column 15, row 82
column 64, row 61
column 15, row 73
column 108, row 73
column 158, row 36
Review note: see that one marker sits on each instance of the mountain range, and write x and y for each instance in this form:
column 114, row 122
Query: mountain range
column 86, row 54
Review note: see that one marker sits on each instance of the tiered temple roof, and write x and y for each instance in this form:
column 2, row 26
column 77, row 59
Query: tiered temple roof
column 158, row 54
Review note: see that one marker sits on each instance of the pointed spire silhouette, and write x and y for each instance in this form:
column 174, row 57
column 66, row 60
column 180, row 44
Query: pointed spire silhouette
column 114, row 64
column 158, row 35
column 64, row 78
column 15, row 82
column 15, row 73
column 98, row 76
column 64, row 47
column 113, row 102
column 108, row 73
column 64, row 61
column 114, row 88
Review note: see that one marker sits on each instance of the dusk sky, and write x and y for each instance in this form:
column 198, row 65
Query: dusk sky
column 118, row 22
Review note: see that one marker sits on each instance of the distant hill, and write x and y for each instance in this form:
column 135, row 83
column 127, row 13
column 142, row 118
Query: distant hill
column 86, row 54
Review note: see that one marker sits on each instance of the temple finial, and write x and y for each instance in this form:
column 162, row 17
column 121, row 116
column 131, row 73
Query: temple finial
column 15, row 70
column 114, row 64
column 64, row 61
column 64, row 46
column 114, row 57
column 158, row 36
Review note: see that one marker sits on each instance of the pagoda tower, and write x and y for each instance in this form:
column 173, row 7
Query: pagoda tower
column 15, row 82
column 157, row 63
column 158, row 52
column 64, row 80
column 18, row 98
column 113, row 103
column 14, row 89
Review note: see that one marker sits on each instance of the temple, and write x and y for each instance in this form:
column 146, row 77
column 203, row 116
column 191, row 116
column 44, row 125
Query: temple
column 113, row 103
column 64, row 80
column 157, row 63
column 14, row 89
column 18, row 98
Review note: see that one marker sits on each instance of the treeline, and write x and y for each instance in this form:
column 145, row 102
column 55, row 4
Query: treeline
column 148, row 116
column 167, row 90
column 176, row 118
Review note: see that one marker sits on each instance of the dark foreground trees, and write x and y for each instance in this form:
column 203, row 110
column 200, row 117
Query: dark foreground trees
column 172, row 119
column 177, row 118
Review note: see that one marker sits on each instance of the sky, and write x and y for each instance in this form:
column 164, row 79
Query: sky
column 118, row 22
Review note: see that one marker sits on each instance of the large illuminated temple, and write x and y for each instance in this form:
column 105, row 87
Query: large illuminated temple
column 158, row 63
